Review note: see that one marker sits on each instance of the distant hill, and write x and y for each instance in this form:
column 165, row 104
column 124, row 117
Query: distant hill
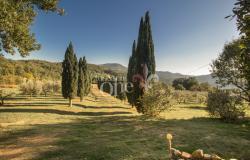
column 114, row 67
column 165, row 76
column 13, row 71
column 41, row 69
column 168, row 77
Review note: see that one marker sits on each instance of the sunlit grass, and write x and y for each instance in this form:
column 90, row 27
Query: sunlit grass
column 103, row 127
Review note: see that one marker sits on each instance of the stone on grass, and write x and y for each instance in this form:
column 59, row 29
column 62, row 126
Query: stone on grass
column 207, row 157
column 186, row 155
column 198, row 154
column 215, row 157
column 175, row 152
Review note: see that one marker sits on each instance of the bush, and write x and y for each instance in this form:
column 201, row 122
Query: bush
column 157, row 99
column 47, row 88
column 32, row 88
column 122, row 96
column 223, row 104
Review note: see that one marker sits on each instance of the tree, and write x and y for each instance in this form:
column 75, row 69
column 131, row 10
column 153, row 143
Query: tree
column 141, row 63
column 47, row 87
column 4, row 94
column 187, row 83
column 230, row 69
column 225, row 105
column 69, row 74
column 16, row 19
column 84, row 80
column 80, row 90
column 241, row 12
column 131, row 72
column 31, row 87
column 87, row 79
column 178, row 83
column 157, row 99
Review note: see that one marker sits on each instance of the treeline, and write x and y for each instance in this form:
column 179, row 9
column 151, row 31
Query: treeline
column 35, row 88
column 191, row 84
column 115, row 86
column 16, row 72
column 76, row 78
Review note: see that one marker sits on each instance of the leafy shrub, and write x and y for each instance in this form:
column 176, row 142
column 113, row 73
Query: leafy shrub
column 157, row 99
column 47, row 88
column 32, row 88
column 122, row 96
column 223, row 104
column 5, row 94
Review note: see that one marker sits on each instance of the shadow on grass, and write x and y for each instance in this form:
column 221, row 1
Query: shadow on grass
column 100, row 107
column 61, row 112
column 195, row 107
column 132, row 137
column 33, row 104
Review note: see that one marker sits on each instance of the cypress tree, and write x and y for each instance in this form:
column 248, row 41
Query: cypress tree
column 130, row 73
column 84, row 79
column 69, row 74
column 141, row 63
column 80, row 90
column 87, row 77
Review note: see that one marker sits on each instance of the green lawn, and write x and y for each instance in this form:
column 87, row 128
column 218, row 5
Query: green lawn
column 102, row 127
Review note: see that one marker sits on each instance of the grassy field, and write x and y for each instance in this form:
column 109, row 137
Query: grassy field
column 102, row 127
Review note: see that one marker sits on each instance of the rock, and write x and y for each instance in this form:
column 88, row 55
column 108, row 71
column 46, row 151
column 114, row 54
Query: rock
column 186, row 155
column 207, row 157
column 198, row 154
column 215, row 157
column 175, row 152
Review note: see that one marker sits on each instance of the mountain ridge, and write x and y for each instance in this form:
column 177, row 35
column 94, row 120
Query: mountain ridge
column 115, row 69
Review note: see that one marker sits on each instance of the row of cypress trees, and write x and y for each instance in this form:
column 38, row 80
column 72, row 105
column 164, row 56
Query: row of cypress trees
column 141, row 63
column 76, row 80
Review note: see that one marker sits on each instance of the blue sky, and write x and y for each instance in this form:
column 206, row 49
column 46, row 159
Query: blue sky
column 187, row 34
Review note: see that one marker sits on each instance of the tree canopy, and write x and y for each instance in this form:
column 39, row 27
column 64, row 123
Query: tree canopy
column 16, row 18
column 229, row 68
column 69, row 74
column 141, row 62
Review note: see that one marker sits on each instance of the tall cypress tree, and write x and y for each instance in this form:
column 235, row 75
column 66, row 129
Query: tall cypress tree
column 130, row 73
column 69, row 74
column 141, row 63
column 87, row 77
column 84, row 80
column 80, row 90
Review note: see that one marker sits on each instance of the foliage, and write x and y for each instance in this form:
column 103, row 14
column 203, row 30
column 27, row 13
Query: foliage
column 17, row 71
column 131, row 72
column 69, row 74
column 84, row 79
column 14, row 72
column 229, row 69
column 16, row 18
column 241, row 59
column 225, row 105
column 115, row 86
column 31, row 87
column 179, row 87
column 157, row 99
column 190, row 97
column 141, row 63
column 190, row 83
column 46, row 88
column 5, row 94
column 122, row 96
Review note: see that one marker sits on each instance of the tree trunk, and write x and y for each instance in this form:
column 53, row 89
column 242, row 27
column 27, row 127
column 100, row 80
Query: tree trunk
column 81, row 99
column 2, row 102
column 70, row 102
